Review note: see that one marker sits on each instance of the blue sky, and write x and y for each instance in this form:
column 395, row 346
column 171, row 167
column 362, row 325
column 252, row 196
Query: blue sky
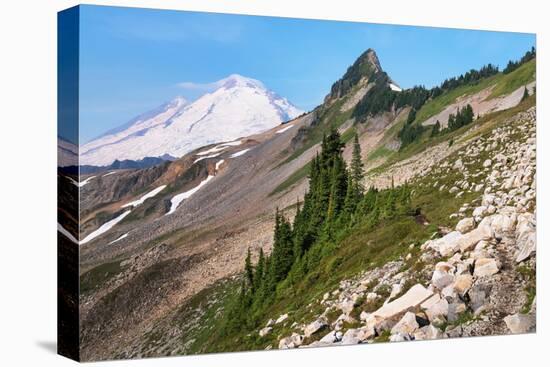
column 132, row 60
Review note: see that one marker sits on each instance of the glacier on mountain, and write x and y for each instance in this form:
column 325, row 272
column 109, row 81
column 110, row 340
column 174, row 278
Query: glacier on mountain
column 239, row 107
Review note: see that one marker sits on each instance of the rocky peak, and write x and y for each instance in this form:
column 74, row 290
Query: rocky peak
column 363, row 69
column 370, row 58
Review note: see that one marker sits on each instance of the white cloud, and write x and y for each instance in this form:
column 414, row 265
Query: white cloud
column 200, row 87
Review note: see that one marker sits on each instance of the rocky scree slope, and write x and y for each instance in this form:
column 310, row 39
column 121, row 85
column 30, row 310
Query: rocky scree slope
column 476, row 279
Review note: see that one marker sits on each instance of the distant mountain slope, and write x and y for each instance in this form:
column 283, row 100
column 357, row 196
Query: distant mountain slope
column 126, row 164
column 239, row 107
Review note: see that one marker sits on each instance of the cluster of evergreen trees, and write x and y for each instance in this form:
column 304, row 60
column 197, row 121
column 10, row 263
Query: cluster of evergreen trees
column 381, row 98
column 463, row 116
column 513, row 65
column 410, row 132
column 334, row 203
column 471, row 77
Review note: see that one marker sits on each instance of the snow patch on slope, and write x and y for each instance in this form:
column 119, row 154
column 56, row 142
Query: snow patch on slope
column 142, row 199
column 105, row 227
column 395, row 88
column 120, row 238
column 240, row 152
column 176, row 200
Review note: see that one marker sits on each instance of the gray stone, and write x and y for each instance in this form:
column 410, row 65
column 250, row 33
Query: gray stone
column 446, row 245
column 332, row 337
column 266, row 330
column 465, row 225
column 478, row 294
column 455, row 309
column 428, row 332
column 409, row 301
column 520, row 324
column 316, row 326
column 281, row 318
column 293, row 341
column 463, row 283
column 486, row 267
column 407, row 325
column 441, row 279
column 435, row 308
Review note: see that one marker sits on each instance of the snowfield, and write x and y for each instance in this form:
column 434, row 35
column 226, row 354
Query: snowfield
column 120, row 238
column 284, row 129
column 81, row 183
column 219, row 163
column 176, row 200
column 239, row 107
column 206, row 157
column 220, row 147
column 240, row 152
column 108, row 174
column 395, row 88
column 105, row 227
column 142, row 199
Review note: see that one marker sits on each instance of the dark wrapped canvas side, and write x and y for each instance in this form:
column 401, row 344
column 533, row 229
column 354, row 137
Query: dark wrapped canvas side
column 67, row 185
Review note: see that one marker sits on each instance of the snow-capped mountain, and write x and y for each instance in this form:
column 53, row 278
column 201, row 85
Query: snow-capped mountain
column 239, row 107
column 67, row 153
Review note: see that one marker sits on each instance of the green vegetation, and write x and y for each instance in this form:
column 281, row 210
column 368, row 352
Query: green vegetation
column 528, row 274
column 410, row 132
column 463, row 117
column 507, row 83
column 98, row 276
column 513, row 65
column 337, row 232
column 361, row 67
column 292, row 179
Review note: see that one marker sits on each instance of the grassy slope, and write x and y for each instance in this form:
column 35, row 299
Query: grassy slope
column 503, row 84
column 361, row 249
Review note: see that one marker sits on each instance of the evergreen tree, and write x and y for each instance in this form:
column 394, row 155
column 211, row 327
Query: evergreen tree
column 283, row 249
column 357, row 171
column 260, row 269
column 249, row 269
